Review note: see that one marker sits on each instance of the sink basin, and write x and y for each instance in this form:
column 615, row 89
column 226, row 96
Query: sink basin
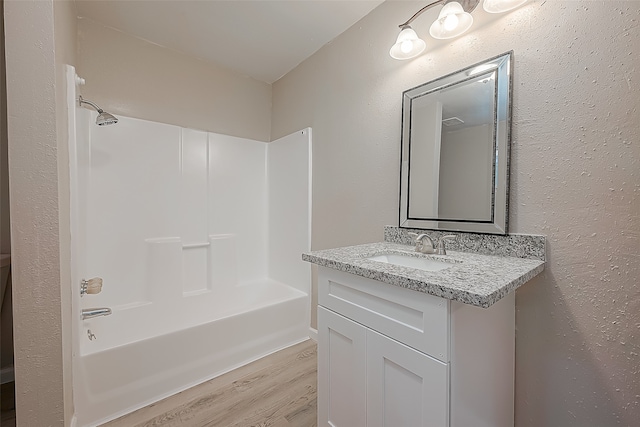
column 427, row 264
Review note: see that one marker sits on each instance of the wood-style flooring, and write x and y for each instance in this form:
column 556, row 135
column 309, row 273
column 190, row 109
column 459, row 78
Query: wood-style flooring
column 276, row 391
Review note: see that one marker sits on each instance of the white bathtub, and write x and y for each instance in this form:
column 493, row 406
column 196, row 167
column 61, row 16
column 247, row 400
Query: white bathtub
column 258, row 319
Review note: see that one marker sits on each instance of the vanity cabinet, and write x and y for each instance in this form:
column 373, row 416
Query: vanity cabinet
column 390, row 356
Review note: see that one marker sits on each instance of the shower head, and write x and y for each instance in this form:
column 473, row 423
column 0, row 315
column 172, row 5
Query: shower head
column 103, row 118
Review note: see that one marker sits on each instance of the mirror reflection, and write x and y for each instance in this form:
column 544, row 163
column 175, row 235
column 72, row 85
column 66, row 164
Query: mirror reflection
column 455, row 150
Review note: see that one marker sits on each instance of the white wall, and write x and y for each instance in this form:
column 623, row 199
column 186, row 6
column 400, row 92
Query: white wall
column 575, row 162
column 135, row 78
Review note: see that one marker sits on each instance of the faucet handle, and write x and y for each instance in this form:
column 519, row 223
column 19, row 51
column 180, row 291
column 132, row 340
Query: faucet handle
column 417, row 241
column 91, row 286
column 442, row 250
column 424, row 243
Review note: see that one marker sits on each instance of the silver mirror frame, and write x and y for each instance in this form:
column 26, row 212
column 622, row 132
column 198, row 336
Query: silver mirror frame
column 501, row 158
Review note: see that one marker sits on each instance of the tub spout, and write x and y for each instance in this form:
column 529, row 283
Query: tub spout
column 88, row 313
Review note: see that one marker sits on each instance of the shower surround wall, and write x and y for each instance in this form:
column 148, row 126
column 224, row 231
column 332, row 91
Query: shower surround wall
column 198, row 239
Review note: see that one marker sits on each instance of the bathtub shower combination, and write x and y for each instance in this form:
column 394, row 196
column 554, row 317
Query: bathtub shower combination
column 197, row 238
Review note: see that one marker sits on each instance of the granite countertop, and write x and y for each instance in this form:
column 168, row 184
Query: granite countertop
column 475, row 279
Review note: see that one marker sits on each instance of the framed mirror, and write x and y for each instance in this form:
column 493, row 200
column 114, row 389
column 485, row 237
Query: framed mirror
column 456, row 131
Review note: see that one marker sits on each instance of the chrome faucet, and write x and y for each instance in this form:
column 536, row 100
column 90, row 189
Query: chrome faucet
column 441, row 249
column 425, row 244
column 88, row 313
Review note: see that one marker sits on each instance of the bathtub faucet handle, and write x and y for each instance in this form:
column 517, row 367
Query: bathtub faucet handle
column 91, row 286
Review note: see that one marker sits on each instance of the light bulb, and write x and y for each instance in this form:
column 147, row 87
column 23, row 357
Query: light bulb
column 450, row 22
column 406, row 46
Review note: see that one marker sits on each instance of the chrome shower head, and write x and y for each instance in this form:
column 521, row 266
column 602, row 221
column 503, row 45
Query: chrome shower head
column 103, row 118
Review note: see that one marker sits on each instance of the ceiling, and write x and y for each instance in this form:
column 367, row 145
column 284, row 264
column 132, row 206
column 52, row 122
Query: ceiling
column 264, row 39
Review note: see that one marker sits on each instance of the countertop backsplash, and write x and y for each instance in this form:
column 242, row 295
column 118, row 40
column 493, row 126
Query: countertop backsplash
column 528, row 246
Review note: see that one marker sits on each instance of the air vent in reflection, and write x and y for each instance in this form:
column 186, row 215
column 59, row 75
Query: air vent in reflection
column 452, row 121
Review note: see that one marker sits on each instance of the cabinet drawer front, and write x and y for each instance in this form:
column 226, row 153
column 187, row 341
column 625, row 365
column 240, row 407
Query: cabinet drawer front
column 414, row 318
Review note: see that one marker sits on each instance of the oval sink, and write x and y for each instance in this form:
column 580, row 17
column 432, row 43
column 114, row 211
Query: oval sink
column 427, row 264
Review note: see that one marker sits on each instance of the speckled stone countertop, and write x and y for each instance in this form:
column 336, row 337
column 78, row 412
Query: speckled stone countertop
column 474, row 279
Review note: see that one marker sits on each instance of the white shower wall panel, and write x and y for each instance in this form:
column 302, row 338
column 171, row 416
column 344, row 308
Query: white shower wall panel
column 289, row 208
column 194, row 153
column 238, row 197
column 194, row 166
column 79, row 154
column 133, row 194
column 153, row 191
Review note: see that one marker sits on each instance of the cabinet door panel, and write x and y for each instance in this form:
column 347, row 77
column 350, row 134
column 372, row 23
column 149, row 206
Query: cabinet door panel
column 405, row 388
column 341, row 371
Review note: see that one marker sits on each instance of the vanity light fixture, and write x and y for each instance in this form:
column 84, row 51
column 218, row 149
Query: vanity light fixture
column 454, row 19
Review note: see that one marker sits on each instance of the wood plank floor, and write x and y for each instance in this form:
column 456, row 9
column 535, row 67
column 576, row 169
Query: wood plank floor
column 276, row 391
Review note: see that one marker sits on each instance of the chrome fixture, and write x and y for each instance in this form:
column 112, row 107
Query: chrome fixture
column 441, row 248
column 89, row 313
column 426, row 245
column 103, row 118
column 454, row 19
column 91, row 286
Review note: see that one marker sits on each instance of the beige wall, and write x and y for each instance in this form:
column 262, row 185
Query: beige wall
column 5, row 232
column 129, row 76
column 41, row 291
column 575, row 164
column 34, row 211
column 6, row 323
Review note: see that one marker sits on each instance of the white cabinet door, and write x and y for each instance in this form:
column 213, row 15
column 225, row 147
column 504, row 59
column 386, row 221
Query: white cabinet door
column 341, row 371
column 405, row 388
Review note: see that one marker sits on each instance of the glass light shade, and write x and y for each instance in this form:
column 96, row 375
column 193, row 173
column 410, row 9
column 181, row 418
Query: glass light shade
column 451, row 22
column 408, row 45
column 499, row 6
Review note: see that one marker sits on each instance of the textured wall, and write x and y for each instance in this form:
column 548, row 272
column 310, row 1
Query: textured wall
column 575, row 178
column 31, row 108
column 5, row 231
column 130, row 76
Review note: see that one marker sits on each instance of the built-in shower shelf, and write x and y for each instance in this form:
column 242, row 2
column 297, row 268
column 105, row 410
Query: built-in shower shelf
column 195, row 245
